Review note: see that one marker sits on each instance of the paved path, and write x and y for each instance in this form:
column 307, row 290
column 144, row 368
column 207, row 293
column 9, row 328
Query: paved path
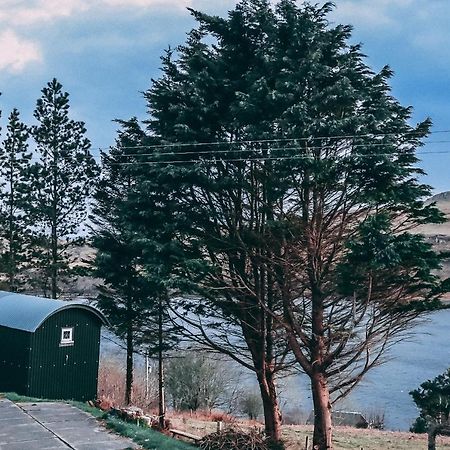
column 54, row 426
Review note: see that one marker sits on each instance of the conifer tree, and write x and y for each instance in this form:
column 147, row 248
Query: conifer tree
column 131, row 293
column 62, row 181
column 296, row 219
column 15, row 160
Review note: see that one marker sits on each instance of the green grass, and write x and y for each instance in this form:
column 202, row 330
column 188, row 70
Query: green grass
column 16, row 398
column 143, row 436
column 146, row 437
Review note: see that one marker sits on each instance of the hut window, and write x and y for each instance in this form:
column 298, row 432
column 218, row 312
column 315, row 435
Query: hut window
column 66, row 336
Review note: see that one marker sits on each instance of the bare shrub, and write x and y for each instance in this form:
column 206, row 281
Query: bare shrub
column 233, row 439
column 111, row 385
column 251, row 404
column 375, row 417
column 196, row 382
column 294, row 416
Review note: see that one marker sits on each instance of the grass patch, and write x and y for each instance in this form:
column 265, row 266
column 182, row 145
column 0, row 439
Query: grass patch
column 92, row 410
column 16, row 398
column 145, row 437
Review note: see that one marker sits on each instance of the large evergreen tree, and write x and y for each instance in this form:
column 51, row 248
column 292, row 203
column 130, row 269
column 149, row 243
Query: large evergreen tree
column 125, row 295
column 132, row 294
column 15, row 160
column 63, row 179
column 296, row 218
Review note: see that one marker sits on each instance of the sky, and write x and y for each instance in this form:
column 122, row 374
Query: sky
column 105, row 53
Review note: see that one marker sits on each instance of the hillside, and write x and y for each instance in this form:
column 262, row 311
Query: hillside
column 442, row 201
column 439, row 234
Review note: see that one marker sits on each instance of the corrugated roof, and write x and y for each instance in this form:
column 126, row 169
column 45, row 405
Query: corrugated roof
column 27, row 313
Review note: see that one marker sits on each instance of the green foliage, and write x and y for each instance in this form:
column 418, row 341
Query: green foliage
column 132, row 289
column 61, row 182
column 15, row 160
column 290, row 189
column 433, row 400
column 127, row 296
column 133, row 293
column 378, row 258
column 419, row 426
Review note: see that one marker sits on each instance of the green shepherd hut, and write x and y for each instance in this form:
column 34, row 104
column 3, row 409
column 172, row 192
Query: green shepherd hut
column 49, row 348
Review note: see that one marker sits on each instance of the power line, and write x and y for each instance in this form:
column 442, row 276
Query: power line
column 255, row 141
column 275, row 158
column 249, row 142
column 246, row 150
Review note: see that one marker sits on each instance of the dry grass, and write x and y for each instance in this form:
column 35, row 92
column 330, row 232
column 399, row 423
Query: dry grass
column 345, row 438
column 351, row 438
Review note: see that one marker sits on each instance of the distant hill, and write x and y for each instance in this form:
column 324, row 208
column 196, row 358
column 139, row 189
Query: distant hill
column 442, row 201
column 439, row 234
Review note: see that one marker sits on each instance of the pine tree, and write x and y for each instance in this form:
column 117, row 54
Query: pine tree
column 15, row 161
column 296, row 220
column 62, row 181
column 131, row 295
column 433, row 400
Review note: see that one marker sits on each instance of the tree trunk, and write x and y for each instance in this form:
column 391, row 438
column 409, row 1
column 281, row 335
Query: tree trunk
column 54, row 264
column 129, row 374
column 161, row 387
column 322, row 439
column 12, row 256
column 432, row 438
column 272, row 413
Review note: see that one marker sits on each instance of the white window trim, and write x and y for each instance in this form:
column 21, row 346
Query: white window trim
column 66, row 341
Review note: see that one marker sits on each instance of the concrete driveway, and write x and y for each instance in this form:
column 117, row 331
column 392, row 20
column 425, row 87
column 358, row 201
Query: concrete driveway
column 42, row 426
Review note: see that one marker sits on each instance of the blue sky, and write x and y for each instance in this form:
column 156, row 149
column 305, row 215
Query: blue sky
column 105, row 53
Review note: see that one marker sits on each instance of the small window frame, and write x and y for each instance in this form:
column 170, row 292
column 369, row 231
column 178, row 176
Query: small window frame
column 66, row 341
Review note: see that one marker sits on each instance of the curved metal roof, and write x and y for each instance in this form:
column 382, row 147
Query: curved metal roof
column 27, row 313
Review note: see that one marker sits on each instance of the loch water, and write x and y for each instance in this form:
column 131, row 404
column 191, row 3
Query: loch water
column 421, row 358
column 385, row 389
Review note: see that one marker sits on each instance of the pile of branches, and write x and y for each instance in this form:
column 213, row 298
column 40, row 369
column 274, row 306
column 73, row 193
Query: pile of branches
column 234, row 439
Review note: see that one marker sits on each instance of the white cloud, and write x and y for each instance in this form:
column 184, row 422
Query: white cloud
column 371, row 14
column 147, row 3
column 31, row 12
column 20, row 17
column 16, row 53
column 38, row 11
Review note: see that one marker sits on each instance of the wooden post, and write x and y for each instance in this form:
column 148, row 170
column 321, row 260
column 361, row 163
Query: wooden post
column 306, row 442
column 219, row 426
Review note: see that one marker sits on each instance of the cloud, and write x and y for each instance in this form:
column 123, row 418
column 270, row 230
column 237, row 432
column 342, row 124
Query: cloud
column 371, row 14
column 22, row 18
column 147, row 3
column 38, row 11
column 16, row 53
column 32, row 12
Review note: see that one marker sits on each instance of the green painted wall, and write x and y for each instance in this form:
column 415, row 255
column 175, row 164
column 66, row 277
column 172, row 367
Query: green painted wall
column 65, row 372
column 14, row 360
